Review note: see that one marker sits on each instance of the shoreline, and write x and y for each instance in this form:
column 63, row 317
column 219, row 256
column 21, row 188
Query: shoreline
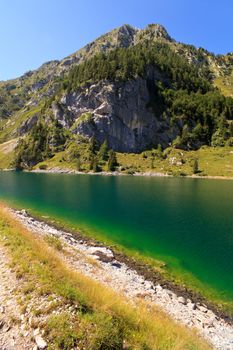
column 117, row 173
column 136, row 281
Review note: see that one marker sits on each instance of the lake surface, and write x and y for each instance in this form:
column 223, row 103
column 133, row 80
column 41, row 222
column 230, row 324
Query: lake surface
column 186, row 222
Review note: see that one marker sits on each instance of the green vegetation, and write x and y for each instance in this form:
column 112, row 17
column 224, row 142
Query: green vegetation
column 9, row 128
column 212, row 161
column 85, row 117
column 124, row 64
column 54, row 242
column 40, row 144
column 195, row 166
column 103, row 151
column 7, row 154
column 211, row 113
column 112, row 161
column 12, row 99
column 82, row 155
column 179, row 91
column 225, row 84
column 103, row 319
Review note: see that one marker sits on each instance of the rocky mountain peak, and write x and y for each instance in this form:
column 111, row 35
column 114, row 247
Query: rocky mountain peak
column 127, row 30
column 124, row 35
column 158, row 31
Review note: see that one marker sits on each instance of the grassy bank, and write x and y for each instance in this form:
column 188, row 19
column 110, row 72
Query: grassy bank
column 104, row 320
column 212, row 161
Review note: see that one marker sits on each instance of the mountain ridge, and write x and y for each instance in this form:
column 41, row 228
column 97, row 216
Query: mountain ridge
column 125, row 29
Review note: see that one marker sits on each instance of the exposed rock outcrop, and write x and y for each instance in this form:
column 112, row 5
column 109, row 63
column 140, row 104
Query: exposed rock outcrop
column 118, row 113
column 27, row 125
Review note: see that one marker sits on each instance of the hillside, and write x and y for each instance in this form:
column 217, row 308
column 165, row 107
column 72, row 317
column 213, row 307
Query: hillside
column 130, row 90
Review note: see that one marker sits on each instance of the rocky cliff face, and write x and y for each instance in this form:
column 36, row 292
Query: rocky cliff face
column 116, row 112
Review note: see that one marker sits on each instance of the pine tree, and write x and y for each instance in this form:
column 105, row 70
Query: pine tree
column 94, row 164
column 152, row 162
column 78, row 164
column 103, row 152
column 91, row 165
column 96, row 167
column 160, row 151
column 112, row 161
column 93, row 146
column 195, row 166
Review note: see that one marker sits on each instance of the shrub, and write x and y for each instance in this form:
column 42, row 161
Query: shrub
column 195, row 166
column 43, row 166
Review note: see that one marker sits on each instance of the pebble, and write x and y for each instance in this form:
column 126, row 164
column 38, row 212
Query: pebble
column 181, row 300
column 2, row 309
column 191, row 306
column 40, row 342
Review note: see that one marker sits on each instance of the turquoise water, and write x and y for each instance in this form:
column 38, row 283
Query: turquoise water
column 186, row 222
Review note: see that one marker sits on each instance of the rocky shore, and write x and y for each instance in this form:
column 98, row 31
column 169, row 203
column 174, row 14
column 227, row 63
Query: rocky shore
column 57, row 170
column 100, row 263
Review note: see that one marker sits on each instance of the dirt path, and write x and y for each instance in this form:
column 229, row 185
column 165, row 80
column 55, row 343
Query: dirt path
column 13, row 333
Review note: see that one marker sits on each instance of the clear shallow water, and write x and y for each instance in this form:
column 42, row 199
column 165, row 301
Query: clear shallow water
column 186, row 222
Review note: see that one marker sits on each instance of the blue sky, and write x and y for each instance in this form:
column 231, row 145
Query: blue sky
column 35, row 31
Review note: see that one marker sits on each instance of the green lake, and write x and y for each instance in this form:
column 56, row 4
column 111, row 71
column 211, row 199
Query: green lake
column 188, row 223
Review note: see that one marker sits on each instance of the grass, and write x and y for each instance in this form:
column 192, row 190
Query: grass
column 225, row 84
column 104, row 320
column 10, row 126
column 212, row 161
column 54, row 242
column 7, row 154
column 85, row 117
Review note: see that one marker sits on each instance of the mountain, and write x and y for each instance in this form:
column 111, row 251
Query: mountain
column 135, row 89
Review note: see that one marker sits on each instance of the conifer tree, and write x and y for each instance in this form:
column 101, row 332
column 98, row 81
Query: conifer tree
column 93, row 146
column 112, row 161
column 103, row 152
column 195, row 166
column 78, row 164
column 96, row 167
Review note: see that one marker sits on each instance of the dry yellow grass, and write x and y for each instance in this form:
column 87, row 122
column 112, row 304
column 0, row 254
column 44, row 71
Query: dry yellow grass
column 225, row 84
column 7, row 153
